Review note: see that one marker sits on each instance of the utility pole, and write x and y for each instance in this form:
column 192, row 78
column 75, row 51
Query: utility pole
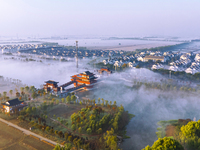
column 170, row 74
column 76, row 54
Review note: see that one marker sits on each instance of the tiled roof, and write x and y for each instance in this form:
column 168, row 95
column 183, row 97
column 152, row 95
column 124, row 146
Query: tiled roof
column 51, row 82
column 12, row 102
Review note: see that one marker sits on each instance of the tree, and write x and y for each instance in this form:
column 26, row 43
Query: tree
column 17, row 94
column 51, row 131
column 191, row 130
column 89, row 130
column 68, row 99
column 47, row 128
column 66, row 136
column 80, row 130
column 73, row 127
column 99, row 100
column 22, row 89
column 68, row 146
column 20, row 117
column 56, row 132
column 63, row 100
column 165, row 144
column 106, row 101
column 26, row 89
column 32, row 88
column 99, row 131
column 60, row 134
column 115, row 103
column 28, row 110
column 4, row 94
column 70, row 138
column 57, row 101
column 110, row 139
column 58, row 147
column 34, row 95
column 73, row 98
column 102, row 101
column 58, row 118
column 34, row 109
column 11, row 92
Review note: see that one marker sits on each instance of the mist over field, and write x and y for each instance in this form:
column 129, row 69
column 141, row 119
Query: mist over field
column 104, row 25
column 35, row 73
column 149, row 106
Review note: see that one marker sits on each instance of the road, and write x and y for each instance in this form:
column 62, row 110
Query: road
column 27, row 131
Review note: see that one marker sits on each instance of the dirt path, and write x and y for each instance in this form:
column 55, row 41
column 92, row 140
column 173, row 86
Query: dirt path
column 28, row 132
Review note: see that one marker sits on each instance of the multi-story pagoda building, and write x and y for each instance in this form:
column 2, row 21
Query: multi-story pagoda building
column 86, row 78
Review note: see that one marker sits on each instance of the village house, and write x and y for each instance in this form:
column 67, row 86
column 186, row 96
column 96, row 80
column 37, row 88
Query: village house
column 154, row 58
column 13, row 105
column 173, row 68
column 197, row 58
column 157, row 66
column 140, row 59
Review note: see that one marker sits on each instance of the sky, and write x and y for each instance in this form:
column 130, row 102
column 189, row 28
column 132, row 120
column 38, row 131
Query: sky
column 100, row 18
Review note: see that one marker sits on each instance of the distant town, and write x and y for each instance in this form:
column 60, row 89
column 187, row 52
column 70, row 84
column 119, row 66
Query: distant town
column 154, row 59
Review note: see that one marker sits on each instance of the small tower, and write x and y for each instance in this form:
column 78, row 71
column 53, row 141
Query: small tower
column 76, row 54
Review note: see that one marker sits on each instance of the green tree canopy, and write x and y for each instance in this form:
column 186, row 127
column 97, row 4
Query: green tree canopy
column 11, row 92
column 165, row 144
column 73, row 98
column 192, row 129
column 68, row 99
column 89, row 130
column 63, row 100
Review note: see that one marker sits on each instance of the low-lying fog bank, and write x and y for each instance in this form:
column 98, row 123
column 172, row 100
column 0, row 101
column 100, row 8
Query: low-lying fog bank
column 149, row 106
column 36, row 73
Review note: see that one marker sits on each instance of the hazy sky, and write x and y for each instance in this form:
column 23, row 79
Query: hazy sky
column 102, row 17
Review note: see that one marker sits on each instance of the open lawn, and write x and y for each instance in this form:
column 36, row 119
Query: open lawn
column 11, row 138
column 65, row 111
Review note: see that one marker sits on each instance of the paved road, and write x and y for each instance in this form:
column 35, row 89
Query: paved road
column 27, row 131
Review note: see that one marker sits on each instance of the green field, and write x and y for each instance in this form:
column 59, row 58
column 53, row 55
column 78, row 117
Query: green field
column 11, row 138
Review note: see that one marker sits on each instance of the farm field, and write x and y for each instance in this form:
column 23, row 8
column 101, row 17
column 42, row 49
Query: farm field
column 11, row 138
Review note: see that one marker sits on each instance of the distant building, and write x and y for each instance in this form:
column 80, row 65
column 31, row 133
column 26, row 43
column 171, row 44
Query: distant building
column 157, row 66
column 13, row 105
column 140, row 58
column 51, row 85
column 154, row 58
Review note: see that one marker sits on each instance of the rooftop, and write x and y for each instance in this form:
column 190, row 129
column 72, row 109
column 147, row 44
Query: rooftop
column 87, row 73
column 12, row 102
column 154, row 57
column 51, row 82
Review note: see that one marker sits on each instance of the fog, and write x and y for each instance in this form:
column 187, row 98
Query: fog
column 149, row 106
column 36, row 73
column 98, row 18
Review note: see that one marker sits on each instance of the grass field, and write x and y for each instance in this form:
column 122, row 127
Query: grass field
column 13, row 139
column 65, row 111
